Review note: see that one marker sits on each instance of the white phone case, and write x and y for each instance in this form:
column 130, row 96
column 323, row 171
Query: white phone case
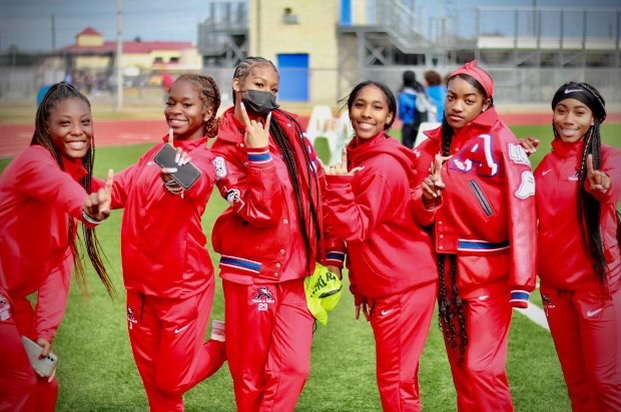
column 44, row 365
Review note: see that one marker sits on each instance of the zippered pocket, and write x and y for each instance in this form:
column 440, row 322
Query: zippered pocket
column 478, row 192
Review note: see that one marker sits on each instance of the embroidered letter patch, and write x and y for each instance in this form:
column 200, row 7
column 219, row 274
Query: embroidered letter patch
column 518, row 154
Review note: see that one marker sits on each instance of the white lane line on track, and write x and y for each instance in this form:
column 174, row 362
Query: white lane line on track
column 536, row 314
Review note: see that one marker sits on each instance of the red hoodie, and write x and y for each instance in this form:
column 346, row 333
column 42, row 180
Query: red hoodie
column 387, row 252
column 37, row 199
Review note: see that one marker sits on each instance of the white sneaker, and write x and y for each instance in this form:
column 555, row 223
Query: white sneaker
column 217, row 331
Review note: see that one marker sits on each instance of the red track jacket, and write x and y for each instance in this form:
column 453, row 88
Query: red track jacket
column 488, row 217
column 163, row 244
column 259, row 234
column 564, row 261
column 37, row 199
column 387, row 251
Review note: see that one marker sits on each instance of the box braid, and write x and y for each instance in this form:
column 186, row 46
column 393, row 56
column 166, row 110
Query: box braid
column 448, row 307
column 245, row 66
column 57, row 93
column 289, row 152
column 209, row 94
column 290, row 157
column 588, row 206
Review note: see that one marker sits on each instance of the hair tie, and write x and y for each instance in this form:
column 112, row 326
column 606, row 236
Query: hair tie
column 473, row 70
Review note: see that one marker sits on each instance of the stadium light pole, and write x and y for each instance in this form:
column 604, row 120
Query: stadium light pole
column 119, row 55
column 53, row 32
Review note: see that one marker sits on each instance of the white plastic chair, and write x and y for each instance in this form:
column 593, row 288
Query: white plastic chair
column 317, row 122
column 424, row 126
column 343, row 133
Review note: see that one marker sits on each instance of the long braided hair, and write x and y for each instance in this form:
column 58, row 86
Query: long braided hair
column 451, row 308
column 57, row 93
column 305, row 172
column 209, row 93
column 589, row 208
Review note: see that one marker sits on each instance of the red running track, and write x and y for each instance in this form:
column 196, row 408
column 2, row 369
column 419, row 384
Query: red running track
column 15, row 137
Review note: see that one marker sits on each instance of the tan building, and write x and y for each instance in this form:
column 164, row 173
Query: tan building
column 324, row 47
column 295, row 37
column 92, row 52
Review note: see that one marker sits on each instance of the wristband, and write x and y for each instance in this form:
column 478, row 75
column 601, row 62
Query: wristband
column 90, row 219
column 519, row 298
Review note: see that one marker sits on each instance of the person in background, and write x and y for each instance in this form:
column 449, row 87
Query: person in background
column 485, row 235
column 436, row 92
column 42, row 92
column 578, row 191
column 44, row 192
column 167, row 269
column 410, row 117
column 167, row 82
column 269, row 237
column 368, row 205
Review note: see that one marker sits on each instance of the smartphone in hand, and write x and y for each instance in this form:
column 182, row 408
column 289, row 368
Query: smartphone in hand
column 46, row 365
column 186, row 175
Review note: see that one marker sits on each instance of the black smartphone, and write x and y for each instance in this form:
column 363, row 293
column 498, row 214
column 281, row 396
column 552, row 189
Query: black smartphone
column 186, row 175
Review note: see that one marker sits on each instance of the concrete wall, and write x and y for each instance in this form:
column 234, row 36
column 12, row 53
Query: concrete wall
column 314, row 34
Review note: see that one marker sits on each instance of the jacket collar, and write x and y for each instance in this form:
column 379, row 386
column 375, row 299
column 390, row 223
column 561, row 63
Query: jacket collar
column 361, row 145
column 483, row 122
column 75, row 167
column 188, row 145
column 567, row 149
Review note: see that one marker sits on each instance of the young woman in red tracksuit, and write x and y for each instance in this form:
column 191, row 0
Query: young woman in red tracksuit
column 43, row 193
column 269, row 239
column 485, row 236
column 392, row 268
column 578, row 189
column 167, row 269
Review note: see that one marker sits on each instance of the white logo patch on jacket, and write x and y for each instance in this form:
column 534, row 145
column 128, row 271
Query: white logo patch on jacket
column 5, row 309
column 527, row 186
column 220, row 164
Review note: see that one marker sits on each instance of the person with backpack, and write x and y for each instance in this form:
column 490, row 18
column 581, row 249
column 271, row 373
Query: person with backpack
column 412, row 111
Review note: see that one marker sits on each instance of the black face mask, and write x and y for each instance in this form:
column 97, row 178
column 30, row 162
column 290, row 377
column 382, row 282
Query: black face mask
column 259, row 102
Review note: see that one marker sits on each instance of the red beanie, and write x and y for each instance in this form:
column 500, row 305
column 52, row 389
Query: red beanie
column 480, row 75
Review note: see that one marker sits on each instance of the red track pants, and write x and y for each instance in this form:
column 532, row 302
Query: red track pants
column 586, row 328
column 401, row 324
column 168, row 342
column 269, row 332
column 21, row 389
column 481, row 380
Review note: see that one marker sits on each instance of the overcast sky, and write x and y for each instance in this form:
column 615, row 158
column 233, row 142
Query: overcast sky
column 28, row 23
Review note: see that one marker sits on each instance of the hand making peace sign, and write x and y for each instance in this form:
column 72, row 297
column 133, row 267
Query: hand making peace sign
column 433, row 185
column 340, row 169
column 598, row 180
column 257, row 135
column 97, row 205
